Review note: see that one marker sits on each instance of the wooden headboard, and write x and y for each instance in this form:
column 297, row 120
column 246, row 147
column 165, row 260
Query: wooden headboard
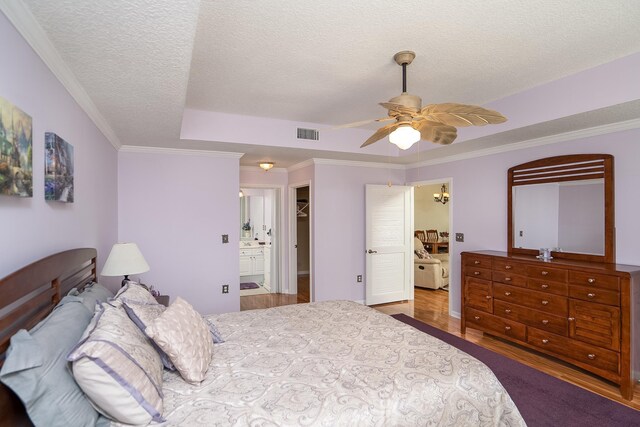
column 27, row 296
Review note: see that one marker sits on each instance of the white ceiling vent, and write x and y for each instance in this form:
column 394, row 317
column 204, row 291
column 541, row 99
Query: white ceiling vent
column 312, row 134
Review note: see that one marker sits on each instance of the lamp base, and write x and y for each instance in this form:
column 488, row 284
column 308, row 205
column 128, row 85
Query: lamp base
column 125, row 280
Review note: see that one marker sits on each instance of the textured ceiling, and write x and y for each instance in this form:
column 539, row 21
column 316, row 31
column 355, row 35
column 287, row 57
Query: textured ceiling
column 330, row 62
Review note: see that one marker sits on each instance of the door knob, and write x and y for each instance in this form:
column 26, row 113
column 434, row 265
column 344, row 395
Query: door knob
column 372, row 252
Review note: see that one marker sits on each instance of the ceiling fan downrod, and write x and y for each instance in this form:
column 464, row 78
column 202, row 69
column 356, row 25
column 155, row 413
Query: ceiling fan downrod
column 403, row 59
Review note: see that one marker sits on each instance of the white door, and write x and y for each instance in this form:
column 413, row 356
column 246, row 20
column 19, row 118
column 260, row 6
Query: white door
column 389, row 240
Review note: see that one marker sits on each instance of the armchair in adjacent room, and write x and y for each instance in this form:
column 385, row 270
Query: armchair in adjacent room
column 432, row 272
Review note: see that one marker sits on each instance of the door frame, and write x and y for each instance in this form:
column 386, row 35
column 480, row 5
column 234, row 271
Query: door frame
column 293, row 233
column 281, row 220
column 453, row 275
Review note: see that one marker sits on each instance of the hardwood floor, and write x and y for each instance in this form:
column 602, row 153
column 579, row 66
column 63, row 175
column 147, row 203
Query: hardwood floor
column 431, row 307
column 252, row 302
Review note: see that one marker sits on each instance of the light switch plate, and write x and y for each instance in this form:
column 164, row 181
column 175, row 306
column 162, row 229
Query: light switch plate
column 459, row 237
column 225, row 238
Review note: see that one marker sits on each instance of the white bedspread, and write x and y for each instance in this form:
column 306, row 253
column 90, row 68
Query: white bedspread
column 335, row 363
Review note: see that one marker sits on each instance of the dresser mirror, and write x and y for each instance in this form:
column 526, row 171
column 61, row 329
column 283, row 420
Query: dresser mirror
column 565, row 204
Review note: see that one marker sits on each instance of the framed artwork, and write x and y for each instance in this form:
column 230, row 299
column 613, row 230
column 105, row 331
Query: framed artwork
column 58, row 169
column 16, row 151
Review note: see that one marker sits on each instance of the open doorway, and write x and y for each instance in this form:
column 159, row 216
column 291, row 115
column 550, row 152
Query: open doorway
column 432, row 222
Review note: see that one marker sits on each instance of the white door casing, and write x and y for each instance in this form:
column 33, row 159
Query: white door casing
column 389, row 240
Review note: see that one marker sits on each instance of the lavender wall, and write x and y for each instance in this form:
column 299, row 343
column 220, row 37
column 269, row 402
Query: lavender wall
column 33, row 228
column 339, row 224
column 479, row 195
column 176, row 207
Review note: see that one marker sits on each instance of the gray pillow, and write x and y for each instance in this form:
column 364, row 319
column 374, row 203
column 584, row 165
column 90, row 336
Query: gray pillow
column 36, row 368
column 94, row 293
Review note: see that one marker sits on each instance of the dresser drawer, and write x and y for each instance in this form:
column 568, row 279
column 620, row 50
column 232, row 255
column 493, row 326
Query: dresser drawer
column 479, row 273
column 509, row 278
column 477, row 294
column 539, row 319
column 591, row 355
column 508, row 266
column 477, row 261
column 543, row 285
column 543, row 301
column 547, row 273
column 602, row 281
column 596, row 295
column 494, row 324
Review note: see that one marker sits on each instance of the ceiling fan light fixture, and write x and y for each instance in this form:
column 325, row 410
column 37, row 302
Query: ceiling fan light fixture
column 266, row 165
column 404, row 137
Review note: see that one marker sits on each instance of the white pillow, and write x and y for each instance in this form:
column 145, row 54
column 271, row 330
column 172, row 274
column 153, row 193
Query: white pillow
column 185, row 337
column 118, row 369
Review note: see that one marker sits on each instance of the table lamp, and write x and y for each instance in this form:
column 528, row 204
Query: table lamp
column 124, row 259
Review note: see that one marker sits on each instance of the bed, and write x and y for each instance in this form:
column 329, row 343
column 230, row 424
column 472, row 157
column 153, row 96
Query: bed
column 326, row 363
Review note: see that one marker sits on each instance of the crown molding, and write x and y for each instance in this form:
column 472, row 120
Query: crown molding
column 259, row 169
column 300, row 165
column 536, row 142
column 27, row 25
column 357, row 163
column 179, row 151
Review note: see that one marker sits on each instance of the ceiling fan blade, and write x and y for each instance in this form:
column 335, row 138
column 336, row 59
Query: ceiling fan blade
column 461, row 115
column 398, row 108
column 435, row 132
column 380, row 133
column 363, row 122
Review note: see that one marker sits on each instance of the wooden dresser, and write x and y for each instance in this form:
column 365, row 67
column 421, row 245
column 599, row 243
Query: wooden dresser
column 581, row 312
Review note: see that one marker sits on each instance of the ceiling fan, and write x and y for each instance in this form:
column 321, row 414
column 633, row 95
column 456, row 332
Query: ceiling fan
column 435, row 122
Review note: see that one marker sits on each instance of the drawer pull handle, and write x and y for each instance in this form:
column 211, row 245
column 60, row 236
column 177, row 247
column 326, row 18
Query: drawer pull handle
column 544, row 286
column 476, row 317
column 591, row 356
column 507, row 293
column 545, row 322
column 591, row 295
column 488, row 296
column 476, row 262
column 476, row 273
column 545, row 341
column 507, row 328
column 545, row 302
column 571, row 319
column 544, row 273
column 508, row 310
column 591, row 280
column 507, row 267
column 507, row 279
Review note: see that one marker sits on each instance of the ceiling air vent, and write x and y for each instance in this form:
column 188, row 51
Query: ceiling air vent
column 312, row 134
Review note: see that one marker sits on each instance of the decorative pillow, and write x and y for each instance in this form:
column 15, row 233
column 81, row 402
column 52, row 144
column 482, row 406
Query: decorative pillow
column 133, row 291
column 422, row 254
column 36, row 368
column 142, row 315
column 118, row 369
column 185, row 336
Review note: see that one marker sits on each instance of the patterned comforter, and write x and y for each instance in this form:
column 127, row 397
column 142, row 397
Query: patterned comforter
column 335, row 363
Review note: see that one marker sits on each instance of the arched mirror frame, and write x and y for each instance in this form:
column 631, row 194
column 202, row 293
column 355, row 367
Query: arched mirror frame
column 562, row 169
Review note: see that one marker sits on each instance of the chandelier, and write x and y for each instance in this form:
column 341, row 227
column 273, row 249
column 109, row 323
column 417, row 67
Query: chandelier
column 443, row 196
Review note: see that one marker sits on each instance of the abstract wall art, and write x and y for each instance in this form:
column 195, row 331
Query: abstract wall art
column 16, row 151
column 58, row 169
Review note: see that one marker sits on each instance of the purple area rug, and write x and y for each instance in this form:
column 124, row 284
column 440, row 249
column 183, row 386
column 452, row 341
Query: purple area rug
column 248, row 285
column 542, row 400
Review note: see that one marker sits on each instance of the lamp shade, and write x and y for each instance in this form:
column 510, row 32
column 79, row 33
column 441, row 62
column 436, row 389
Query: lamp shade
column 124, row 259
column 404, row 137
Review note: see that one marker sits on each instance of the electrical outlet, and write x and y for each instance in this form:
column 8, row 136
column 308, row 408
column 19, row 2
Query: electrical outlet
column 225, row 289
column 225, row 238
column 459, row 237
column 359, row 278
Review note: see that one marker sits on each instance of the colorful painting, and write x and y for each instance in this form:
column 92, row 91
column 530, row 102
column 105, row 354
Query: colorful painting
column 58, row 169
column 16, row 151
